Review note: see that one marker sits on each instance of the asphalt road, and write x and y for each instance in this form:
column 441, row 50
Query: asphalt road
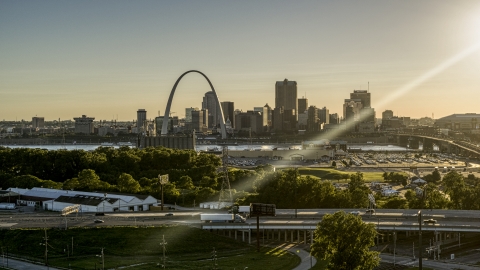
column 440, row 265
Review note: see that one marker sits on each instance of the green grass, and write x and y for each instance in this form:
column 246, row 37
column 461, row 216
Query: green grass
column 187, row 248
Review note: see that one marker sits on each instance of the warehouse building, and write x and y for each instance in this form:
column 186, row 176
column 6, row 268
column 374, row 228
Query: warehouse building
column 57, row 200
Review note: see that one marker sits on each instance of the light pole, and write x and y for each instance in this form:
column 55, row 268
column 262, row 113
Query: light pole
column 104, row 198
column 420, row 239
column 103, row 259
column 394, row 245
column 162, row 180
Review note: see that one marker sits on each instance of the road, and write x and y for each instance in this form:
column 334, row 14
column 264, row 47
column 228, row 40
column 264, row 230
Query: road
column 22, row 265
column 440, row 265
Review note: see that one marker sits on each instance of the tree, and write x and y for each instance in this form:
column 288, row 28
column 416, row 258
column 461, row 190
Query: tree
column 334, row 164
column 344, row 241
column 126, row 183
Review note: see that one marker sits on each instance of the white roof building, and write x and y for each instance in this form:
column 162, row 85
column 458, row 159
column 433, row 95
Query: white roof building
column 57, row 199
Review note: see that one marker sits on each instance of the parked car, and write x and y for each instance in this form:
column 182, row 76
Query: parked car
column 169, row 214
column 429, row 221
column 370, row 211
column 356, row 213
column 98, row 221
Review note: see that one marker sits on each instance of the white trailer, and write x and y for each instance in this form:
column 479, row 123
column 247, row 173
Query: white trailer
column 244, row 209
column 7, row 206
column 221, row 218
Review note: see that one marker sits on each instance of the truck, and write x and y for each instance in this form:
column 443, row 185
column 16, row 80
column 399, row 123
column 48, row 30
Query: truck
column 230, row 218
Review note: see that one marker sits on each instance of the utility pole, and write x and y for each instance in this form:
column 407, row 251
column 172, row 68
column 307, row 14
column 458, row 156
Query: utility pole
column 103, row 260
column 420, row 240
column 72, row 246
column 214, row 258
column 46, row 248
column 163, row 244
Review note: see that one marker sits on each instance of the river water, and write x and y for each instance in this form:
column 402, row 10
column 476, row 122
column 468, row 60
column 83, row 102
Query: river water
column 245, row 147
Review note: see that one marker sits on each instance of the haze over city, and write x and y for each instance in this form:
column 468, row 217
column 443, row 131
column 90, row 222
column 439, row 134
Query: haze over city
column 108, row 59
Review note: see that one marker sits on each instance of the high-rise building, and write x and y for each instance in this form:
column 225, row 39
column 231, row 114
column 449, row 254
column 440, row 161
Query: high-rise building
column 198, row 118
column 250, row 120
column 286, row 96
column 141, row 118
column 188, row 114
column 267, row 118
column 84, row 124
column 363, row 95
column 277, row 119
column 334, row 118
column 351, row 109
column 228, row 108
column 210, row 103
column 302, row 105
column 323, row 115
column 387, row 114
column 38, row 122
column 312, row 122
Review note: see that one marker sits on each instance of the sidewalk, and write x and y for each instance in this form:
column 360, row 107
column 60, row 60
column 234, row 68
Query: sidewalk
column 307, row 261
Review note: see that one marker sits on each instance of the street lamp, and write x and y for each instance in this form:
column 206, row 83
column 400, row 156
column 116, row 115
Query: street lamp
column 162, row 180
column 420, row 239
column 103, row 259
column 104, row 198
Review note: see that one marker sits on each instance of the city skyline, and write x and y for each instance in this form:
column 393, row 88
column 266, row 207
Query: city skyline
column 107, row 60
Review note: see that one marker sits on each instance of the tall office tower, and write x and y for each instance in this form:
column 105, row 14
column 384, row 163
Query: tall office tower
column 198, row 123
column 312, row 122
column 286, row 96
column 363, row 95
column 228, row 108
column 267, row 118
column 302, row 105
column 38, row 122
column 249, row 121
column 84, row 124
column 351, row 109
column 334, row 119
column 141, row 118
column 323, row 116
column 367, row 115
column 387, row 114
column 188, row 114
column 277, row 119
column 210, row 103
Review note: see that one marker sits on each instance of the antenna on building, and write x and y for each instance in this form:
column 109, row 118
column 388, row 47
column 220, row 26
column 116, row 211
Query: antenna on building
column 368, row 88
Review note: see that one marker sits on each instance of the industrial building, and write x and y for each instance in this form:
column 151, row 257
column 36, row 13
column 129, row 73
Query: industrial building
column 57, row 200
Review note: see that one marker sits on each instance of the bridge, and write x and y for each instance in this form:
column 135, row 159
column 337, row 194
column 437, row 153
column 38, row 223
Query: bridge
column 299, row 228
column 445, row 145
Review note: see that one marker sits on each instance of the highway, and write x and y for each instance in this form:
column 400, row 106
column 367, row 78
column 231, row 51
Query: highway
column 384, row 219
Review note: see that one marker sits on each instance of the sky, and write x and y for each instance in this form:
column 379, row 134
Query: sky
column 107, row 59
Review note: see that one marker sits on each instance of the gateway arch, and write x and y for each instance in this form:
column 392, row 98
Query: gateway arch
column 170, row 98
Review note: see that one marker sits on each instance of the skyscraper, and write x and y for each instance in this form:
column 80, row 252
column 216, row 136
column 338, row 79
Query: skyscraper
column 210, row 103
column 228, row 108
column 141, row 118
column 387, row 114
column 302, row 105
column 323, row 115
column 286, row 96
column 363, row 95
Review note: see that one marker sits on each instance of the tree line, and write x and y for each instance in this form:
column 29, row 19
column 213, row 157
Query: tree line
column 195, row 177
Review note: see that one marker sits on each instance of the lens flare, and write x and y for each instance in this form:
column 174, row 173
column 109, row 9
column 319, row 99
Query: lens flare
column 330, row 135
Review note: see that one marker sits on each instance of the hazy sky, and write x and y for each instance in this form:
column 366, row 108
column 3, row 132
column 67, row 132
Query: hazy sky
column 106, row 59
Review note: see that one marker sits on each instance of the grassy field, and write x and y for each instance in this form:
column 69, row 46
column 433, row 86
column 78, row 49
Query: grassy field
column 186, row 248
column 332, row 174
